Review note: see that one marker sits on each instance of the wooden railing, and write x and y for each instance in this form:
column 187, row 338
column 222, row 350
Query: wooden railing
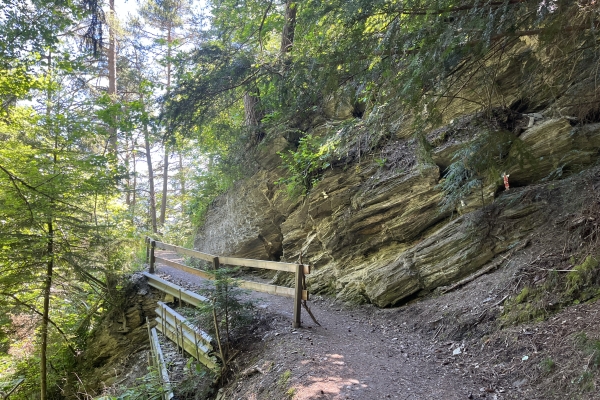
column 8, row 388
column 176, row 328
column 195, row 342
column 158, row 361
column 298, row 292
column 176, row 291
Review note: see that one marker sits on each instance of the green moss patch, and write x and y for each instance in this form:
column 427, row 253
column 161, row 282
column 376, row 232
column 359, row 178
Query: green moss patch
column 557, row 290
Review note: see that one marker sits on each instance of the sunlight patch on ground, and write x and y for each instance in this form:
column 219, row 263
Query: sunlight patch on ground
column 332, row 377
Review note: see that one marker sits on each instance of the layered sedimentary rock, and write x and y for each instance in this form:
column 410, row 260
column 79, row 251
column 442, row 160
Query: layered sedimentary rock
column 375, row 233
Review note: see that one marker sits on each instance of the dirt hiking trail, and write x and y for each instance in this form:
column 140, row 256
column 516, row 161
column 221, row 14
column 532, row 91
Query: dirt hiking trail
column 357, row 353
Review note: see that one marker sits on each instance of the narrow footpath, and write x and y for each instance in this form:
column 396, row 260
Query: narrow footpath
column 357, row 353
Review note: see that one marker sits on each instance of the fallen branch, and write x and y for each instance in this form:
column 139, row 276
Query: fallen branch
column 304, row 301
column 484, row 271
column 310, row 313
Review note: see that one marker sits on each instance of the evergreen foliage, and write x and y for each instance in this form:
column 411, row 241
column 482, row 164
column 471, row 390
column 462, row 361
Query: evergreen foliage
column 402, row 62
column 228, row 313
column 475, row 166
column 376, row 50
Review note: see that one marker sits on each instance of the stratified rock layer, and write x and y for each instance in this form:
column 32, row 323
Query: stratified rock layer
column 376, row 234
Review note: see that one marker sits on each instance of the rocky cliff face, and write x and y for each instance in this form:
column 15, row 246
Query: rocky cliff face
column 375, row 233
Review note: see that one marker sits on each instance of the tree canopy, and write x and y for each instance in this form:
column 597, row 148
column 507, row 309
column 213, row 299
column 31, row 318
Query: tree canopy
column 183, row 94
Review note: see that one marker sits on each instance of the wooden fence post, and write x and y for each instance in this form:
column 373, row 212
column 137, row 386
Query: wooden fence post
column 152, row 257
column 297, row 323
column 147, row 240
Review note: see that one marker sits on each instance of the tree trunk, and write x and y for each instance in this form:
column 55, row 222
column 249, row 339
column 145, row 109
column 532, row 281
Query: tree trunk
column 50, row 264
column 128, row 185
column 112, row 75
column 165, row 187
column 251, row 104
column 163, row 204
column 181, row 176
column 45, row 314
column 150, row 178
column 134, row 188
column 253, row 115
column 289, row 28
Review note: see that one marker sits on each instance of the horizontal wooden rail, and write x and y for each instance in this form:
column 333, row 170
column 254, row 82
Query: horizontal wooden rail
column 273, row 265
column 183, row 267
column 271, row 289
column 185, row 252
column 170, row 288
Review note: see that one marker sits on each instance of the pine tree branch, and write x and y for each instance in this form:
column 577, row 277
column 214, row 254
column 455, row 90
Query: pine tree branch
column 34, row 189
column 32, row 308
column 262, row 23
column 448, row 10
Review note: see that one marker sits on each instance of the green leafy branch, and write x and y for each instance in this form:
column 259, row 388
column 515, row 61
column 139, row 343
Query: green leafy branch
column 306, row 165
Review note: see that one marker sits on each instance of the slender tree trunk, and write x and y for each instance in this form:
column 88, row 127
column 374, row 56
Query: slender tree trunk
column 45, row 314
column 289, row 28
column 181, row 175
column 163, row 203
column 134, row 188
column 50, row 254
column 112, row 73
column 150, row 178
column 149, row 165
column 169, row 43
column 128, row 185
column 165, row 187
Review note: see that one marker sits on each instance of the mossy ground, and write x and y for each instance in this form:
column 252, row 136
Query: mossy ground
column 556, row 290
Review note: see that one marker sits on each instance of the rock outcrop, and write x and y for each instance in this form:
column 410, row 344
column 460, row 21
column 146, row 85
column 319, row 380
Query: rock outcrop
column 116, row 352
column 376, row 233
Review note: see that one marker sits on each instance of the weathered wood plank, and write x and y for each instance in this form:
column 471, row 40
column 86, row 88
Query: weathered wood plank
column 200, row 334
column 274, row 265
column 162, row 367
column 271, row 289
column 188, row 345
column 187, row 333
column 170, row 288
column 189, row 270
column 186, row 252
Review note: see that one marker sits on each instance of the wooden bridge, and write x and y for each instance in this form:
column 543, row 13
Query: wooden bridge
column 189, row 338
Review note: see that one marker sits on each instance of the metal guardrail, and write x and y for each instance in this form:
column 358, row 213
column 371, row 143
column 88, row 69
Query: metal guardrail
column 298, row 292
